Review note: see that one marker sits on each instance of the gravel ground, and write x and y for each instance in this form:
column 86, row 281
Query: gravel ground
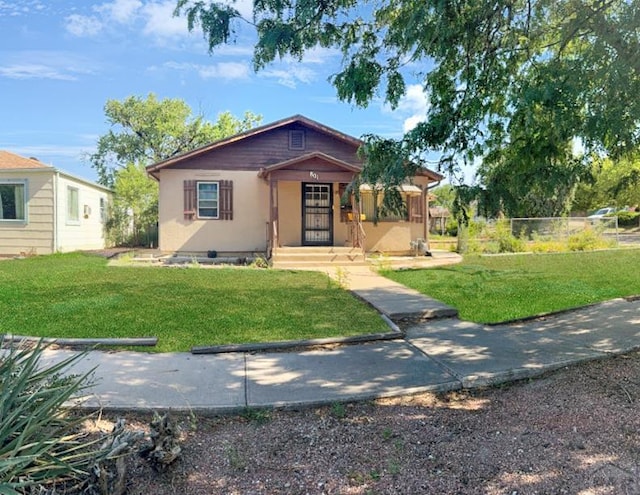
column 574, row 431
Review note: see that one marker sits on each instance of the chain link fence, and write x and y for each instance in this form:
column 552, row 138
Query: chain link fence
column 562, row 228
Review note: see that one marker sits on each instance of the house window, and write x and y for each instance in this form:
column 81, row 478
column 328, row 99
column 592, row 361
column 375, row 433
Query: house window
column 13, row 201
column 103, row 210
column 296, row 140
column 208, row 199
column 73, row 205
column 368, row 210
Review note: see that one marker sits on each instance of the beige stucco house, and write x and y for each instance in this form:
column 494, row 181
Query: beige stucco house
column 44, row 210
column 279, row 185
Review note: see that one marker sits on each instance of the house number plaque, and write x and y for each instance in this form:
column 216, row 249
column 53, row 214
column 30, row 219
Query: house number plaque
column 314, row 175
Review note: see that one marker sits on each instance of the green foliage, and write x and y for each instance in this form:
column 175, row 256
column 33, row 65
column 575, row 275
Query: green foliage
column 338, row 410
column 628, row 218
column 511, row 83
column 444, row 196
column 135, row 208
column 40, row 440
column 490, row 289
column 588, row 240
column 609, row 183
column 144, row 131
column 505, row 240
column 78, row 295
column 387, row 166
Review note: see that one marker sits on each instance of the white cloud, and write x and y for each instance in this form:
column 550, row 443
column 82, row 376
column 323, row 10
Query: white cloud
column 61, row 66
column 159, row 20
column 120, row 11
column 290, row 75
column 34, row 71
column 223, row 70
column 319, row 55
column 82, row 25
column 24, row 7
column 412, row 107
column 415, row 103
column 245, row 7
column 153, row 18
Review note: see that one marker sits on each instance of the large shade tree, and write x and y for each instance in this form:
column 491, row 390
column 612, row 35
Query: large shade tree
column 145, row 131
column 610, row 183
column 513, row 84
column 148, row 130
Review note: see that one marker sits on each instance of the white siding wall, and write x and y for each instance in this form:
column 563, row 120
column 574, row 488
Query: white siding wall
column 88, row 231
column 35, row 236
column 245, row 233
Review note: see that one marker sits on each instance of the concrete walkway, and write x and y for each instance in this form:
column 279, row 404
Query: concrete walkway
column 434, row 355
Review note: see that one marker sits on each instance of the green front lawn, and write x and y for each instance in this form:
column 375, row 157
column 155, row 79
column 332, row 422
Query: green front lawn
column 490, row 289
column 77, row 295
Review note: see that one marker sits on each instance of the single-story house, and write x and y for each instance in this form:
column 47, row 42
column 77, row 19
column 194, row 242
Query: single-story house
column 44, row 210
column 278, row 185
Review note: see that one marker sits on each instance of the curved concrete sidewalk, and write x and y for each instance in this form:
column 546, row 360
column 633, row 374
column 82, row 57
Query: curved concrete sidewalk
column 434, row 355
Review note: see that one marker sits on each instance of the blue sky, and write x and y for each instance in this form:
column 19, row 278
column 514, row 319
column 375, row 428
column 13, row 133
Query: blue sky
column 60, row 61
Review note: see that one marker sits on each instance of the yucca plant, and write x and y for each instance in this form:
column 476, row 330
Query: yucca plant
column 41, row 442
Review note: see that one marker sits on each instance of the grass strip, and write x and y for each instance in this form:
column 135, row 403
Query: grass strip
column 79, row 296
column 491, row 289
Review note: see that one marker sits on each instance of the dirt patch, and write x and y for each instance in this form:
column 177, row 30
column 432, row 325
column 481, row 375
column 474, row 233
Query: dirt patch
column 572, row 431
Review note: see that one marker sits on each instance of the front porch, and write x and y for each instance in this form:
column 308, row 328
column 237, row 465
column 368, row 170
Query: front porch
column 308, row 208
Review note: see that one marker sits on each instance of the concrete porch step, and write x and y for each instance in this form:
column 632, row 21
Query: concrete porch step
column 290, row 257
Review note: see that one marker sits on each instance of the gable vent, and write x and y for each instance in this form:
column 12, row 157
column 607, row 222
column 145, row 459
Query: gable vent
column 296, row 140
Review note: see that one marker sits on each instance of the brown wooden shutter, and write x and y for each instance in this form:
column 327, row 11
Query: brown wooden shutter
column 415, row 209
column 190, row 198
column 226, row 200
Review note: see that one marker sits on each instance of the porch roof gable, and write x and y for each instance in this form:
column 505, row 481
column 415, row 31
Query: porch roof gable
column 265, row 172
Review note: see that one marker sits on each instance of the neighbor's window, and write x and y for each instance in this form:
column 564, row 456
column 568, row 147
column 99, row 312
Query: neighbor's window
column 208, row 199
column 103, row 210
column 13, row 203
column 73, row 205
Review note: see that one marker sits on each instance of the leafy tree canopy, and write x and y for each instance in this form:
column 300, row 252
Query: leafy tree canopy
column 511, row 83
column 145, row 131
column 609, row 183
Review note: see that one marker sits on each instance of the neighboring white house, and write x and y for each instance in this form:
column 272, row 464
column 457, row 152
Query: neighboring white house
column 44, row 210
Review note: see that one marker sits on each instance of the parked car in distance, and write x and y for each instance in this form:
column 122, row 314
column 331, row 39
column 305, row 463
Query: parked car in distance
column 602, row 212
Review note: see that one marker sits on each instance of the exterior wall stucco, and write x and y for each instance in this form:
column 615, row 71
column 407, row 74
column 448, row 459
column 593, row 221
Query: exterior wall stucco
column 246, row 233
column 391, row 237
column 290, row 213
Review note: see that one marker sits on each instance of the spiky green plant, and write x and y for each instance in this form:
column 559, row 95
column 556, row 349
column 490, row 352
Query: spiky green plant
column 40, row 439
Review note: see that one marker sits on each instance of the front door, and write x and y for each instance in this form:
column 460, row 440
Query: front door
column 317, row 214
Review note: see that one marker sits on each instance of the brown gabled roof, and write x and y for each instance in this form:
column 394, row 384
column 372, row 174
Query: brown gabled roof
column 253, row 132
column 9, row 161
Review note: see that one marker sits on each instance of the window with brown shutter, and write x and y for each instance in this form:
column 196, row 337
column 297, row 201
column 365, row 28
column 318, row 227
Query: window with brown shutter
column 415, row 209
column 203, row 201
column 189, row 199
column 226, row 200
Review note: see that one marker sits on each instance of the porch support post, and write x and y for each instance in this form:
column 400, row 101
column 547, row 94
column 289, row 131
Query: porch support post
column 425, row 216
column 273, row 212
